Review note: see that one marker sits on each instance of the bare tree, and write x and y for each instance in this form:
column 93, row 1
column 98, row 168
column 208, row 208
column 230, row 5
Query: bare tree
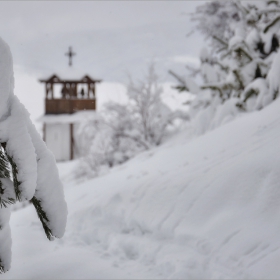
column 125, row 130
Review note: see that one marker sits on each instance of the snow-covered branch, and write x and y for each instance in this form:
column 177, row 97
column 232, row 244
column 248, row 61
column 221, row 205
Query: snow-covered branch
column 27, row 168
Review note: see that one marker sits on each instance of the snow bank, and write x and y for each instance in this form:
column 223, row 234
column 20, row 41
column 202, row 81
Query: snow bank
column 205, row 208
column 201, row 209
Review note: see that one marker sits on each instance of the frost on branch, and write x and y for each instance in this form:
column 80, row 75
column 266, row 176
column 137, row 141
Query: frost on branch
column 122, row 131
column 27, row 167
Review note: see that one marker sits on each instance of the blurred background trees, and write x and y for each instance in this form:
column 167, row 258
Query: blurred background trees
column 121, row 131
column 239, row 72
column 239, row 69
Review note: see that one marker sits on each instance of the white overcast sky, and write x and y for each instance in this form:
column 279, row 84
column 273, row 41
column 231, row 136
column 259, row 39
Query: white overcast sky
column 26, row 19
column 107, row 35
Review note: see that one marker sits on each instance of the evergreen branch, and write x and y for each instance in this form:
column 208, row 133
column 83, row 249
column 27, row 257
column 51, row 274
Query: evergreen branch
column 4, row 165
column 2, row 269
column 225, row 55
column 180, row 88
column 15, row 180
column 241, row 50
column 241, row 86
column 250, row 93
column 179, row 79
column 246, row 53
column 14, row 173
column 193, row 70
column 219, row 87
column 240, row 106
column 221, row 49
column 4, row 202
column 186, row 85
column 43, row 217
column 213, row 87
column 275, row 94
column 272, row 2
column 223, row 67
column 4, row 173
column 239, row 6
column 220, row 41
column 271, row 24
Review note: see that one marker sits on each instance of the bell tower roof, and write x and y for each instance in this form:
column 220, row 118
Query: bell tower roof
column 69, row 90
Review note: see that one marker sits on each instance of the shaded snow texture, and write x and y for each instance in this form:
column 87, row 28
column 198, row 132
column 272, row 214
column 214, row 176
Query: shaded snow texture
column 201, row 208
column 33, row 172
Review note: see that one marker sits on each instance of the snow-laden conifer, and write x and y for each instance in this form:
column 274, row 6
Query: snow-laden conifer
column 241, row 72
column 27, row 168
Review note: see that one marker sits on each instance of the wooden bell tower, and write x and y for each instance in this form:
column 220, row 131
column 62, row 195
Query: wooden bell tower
column 65, row 96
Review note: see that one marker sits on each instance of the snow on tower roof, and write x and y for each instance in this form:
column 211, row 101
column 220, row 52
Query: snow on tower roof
column 70, row 73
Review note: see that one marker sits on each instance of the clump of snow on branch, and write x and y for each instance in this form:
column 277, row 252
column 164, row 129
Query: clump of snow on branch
column 241, row 71
column 27, row 168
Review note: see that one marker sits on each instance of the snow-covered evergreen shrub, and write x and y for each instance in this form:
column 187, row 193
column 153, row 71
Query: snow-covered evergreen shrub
column 122, row 131
column 27, row 168
column 241, row 71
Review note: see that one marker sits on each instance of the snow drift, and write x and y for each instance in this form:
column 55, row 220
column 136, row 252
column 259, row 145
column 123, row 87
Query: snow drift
column 205, row 208
column 208, row 208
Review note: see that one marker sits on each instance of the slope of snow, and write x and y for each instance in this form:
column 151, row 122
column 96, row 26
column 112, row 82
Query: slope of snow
column 201, row 208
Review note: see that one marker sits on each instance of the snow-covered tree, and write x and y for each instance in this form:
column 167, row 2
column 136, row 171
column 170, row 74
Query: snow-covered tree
column 151, row 115
column 122, row 131
column 240, row 72
column 27, row 168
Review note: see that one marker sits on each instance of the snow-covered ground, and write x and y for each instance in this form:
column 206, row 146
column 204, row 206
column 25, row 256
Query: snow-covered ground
column 206, row 207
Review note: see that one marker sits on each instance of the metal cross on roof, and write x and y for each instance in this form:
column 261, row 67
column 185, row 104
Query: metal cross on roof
column 70, row 54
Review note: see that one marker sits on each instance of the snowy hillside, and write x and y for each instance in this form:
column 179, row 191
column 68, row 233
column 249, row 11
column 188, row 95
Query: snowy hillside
column 201, row 208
